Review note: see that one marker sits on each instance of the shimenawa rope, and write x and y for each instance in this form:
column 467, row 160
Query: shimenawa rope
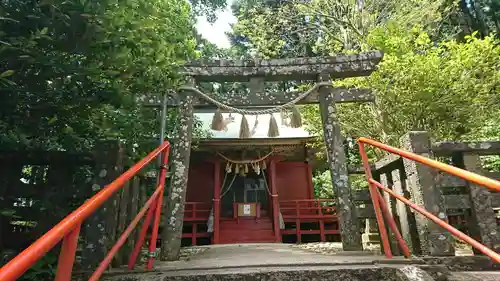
column 255, row 112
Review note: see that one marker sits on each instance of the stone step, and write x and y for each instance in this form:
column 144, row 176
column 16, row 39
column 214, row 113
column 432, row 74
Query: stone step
column 474, row 276
column 290, row 272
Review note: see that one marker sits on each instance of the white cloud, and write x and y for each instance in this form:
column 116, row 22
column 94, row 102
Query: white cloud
column 215, row 33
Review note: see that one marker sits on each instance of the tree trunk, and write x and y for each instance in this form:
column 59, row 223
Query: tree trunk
column 174, row 209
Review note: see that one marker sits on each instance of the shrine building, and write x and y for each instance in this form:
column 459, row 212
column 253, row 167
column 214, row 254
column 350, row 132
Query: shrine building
column 265, row 192
column 256, row 185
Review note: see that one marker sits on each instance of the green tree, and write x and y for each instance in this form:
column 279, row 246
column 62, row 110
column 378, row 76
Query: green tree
column 73, row 71
column 449, row 89
column 326, row 27
column 427, row 80
column 423, row 86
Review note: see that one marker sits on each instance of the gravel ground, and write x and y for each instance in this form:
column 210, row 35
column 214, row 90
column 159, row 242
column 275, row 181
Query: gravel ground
column 186, row 253
column 327, row 248
column 331, row 247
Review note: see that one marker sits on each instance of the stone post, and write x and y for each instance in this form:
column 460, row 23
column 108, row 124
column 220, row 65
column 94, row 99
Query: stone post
column 181, row 151
column 434, row 240
column 386, row 180
column 483, row 217
column 406, row 219
column 99, row 230
column 371, row 235
column 349, row 224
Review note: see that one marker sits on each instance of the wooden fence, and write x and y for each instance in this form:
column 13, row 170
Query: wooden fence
column 38, row 189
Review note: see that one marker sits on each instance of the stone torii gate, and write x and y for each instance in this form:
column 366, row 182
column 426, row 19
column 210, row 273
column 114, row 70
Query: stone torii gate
column 256, row 73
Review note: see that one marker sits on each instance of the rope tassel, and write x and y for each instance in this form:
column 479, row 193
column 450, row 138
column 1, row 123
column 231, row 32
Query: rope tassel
column 273, row 128
column 296, row 118
column 244, row 128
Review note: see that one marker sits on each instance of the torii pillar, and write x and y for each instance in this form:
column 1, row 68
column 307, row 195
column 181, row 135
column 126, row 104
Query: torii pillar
column 346, row 211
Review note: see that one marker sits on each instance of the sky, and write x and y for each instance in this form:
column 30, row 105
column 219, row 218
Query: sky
column 215, row 33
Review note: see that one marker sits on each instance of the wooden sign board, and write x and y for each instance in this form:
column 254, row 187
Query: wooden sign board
column 247, row 209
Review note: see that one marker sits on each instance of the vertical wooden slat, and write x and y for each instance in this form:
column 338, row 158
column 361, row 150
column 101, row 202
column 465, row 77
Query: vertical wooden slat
column 99, row 230
column 297, row 222
column 121, row 257
column 133, row 210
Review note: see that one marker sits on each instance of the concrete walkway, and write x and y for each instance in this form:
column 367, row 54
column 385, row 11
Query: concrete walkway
column 268, row 255
column 273, row 262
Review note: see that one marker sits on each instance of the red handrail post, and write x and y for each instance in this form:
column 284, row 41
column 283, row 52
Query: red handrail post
column 156, row 223
column 376, row 202
column 67, row 255
column 393, row 226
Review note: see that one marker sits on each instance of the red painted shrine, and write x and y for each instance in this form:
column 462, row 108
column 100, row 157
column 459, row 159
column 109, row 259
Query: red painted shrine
column 254, row 191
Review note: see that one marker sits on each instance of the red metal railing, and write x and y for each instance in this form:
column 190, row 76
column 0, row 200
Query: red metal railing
column 308, row 208
column 69, row 228
column 195, row 215
column 320, row 211
column 381, row 208
column 197, row 211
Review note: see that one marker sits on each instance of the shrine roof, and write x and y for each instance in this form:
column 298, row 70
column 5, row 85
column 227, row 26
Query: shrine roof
column 261, row 129
column 231, row 143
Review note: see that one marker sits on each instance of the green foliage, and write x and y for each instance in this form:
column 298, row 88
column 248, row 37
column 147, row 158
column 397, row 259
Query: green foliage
column 449, row 89
column 73, row 72
column 436, row 75
column 323, row 188
column 420, row 85
column 207, row 8
column 325, row 27
column 322, row 183
column 44, row 269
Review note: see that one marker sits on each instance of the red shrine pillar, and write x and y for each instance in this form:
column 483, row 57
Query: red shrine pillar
column 216, row 201
column 274, row 195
